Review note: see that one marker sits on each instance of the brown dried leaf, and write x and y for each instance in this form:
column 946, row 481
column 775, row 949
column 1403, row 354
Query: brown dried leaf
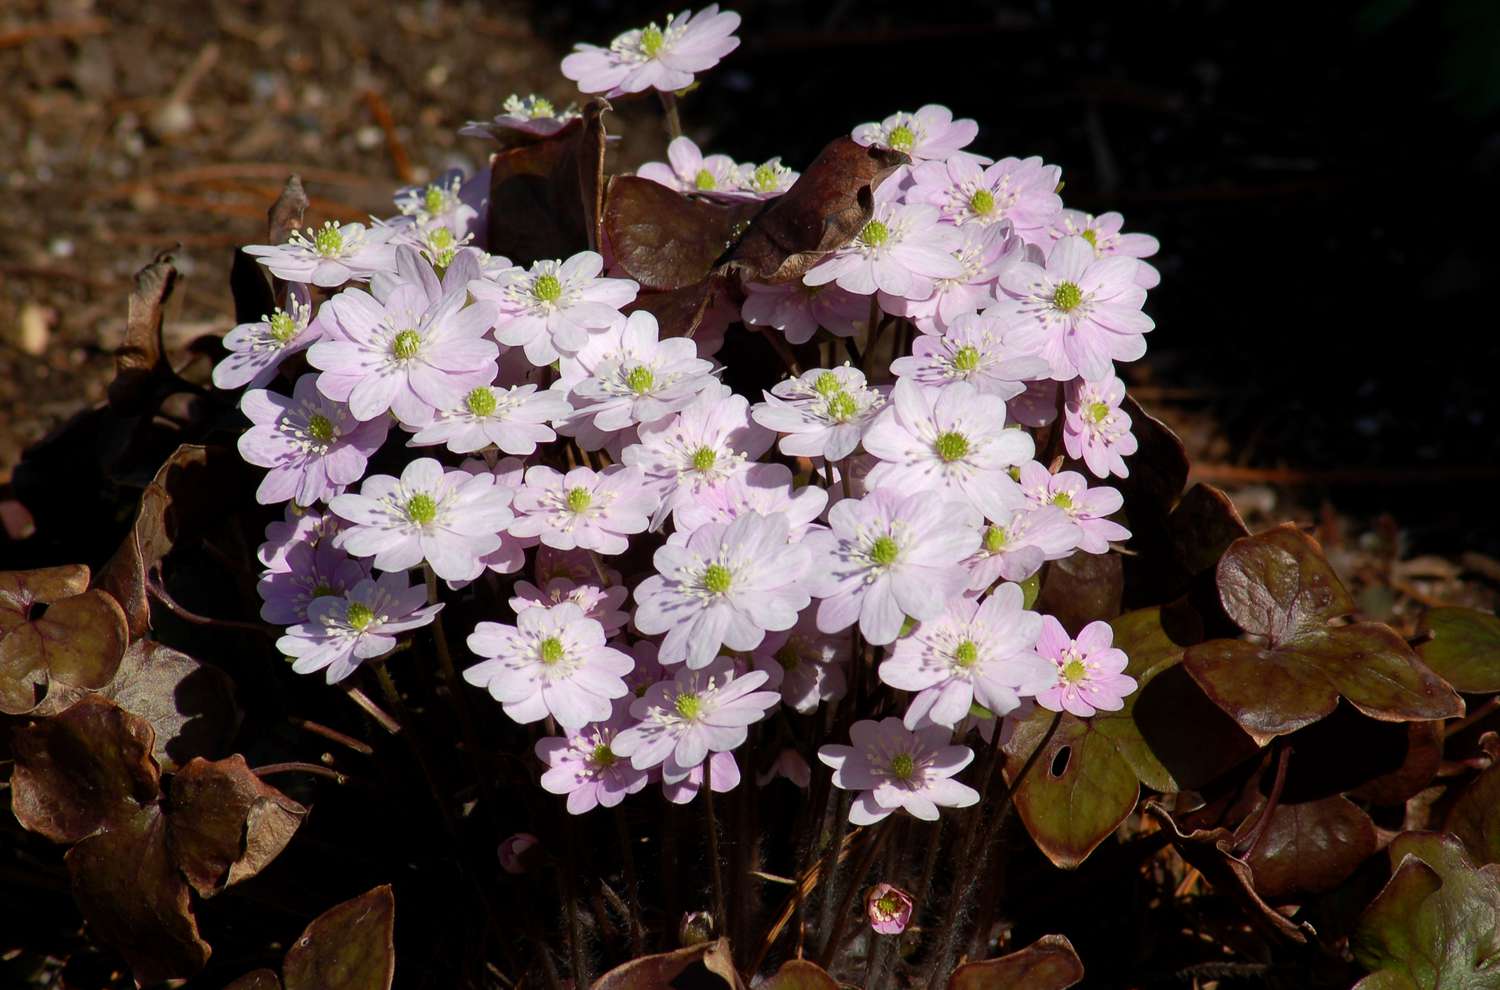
column 141, row 361
column 226, row 824
column 665, row 240
column 1049, row 963
column 664, row 969
column 189, row 704
column 348, row 947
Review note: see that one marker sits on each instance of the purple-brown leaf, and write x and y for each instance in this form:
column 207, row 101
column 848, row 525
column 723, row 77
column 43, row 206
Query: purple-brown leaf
column 1311, row 847
column 1049, row 963
column 348, row 947
column 661, row 970
column 226, row 825
column 665, row 240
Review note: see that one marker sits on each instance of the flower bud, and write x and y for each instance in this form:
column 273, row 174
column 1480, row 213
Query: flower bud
column 519, row 853
column 888, row 908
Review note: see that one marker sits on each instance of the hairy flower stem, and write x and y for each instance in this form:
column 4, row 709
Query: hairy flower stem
column 830, row 871
column 669, row 110
column 971, row 862
column 711, row 823
column 456, row 698
column 632, row 882
column 853, row 883
column 872, row 333
column 568, row 876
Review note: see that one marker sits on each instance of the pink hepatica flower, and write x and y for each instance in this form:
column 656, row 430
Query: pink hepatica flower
column 972, row 653
column 1016, row 543
column 553, row 661
column 584, row 767
column 534, row 116
column 513, row 419
column 451, row 519
column 899, row 251
column 727, row 587
column 1103, row 232
column 405, row 354
column 767, row 180
column 653, row 57
column 798, row 309
column 1089, row 674
column 687, row 170
column 331, row 255
column 931, row 132
column 312, row 445
column 626, row 375
column 1080, row 312
column 821, row 413
column 947, row 442
column 342, row 631
column 600, row 604
column 972, row 349
column 887, row 557
column 1022, row 192
column 698, row 712
column 553, row 307
column 1088, row 507
column 680, row 785
column 762, row 488
column 895, row 768
column 585, row 509
column 437, row 204
column 709, row 441
column 1095, row 429
column 256, row 350
column 299, row 526
column 812, row 664
column 983, row 253
column 509, row 473
column 314, row 571
column 888, row 908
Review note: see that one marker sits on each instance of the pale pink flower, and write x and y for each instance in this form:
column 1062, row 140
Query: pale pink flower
column 1021, row 192
column 759, row 488
column 653, row 57
column 312, row 446
column 931, row 132
column 1088, row 507
column 627, row 375
column 812, row 663
column 584, row 767
column 330, row 255
column 680, row 785
column 821, row 413
column 899, row 251
column 1016, row 543
column 728, row 586
column 1103, row 232
column 1037, row 405
column 1089, row 673
column 534, row 116
column 298, row 526
column 342, row 631
column 553, row 661
column 598, row 603
column 509, row 474
column 513, row 419
column 1095, row 429
column 256, row 350
column 586, row 509
column 687, row 170
column 711, row 440
column 767, row 180
column 437, row 204
column 313, row 570
column 895, row 768
column 972, row 349
column 974, row 652
column 888, row 909
column 798, row 309
column 554, row 307
column 982, row 253
column 698, row 712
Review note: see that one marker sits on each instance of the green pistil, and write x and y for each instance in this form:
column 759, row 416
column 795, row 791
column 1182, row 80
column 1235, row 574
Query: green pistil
column 704, row 180
column 765, row 178
column 433, row 199
column 541, row 107
column 421, row 509
column 406, row 345
column 951, row 446
column 359, row 615
column 874, row 234
column 704, row 459
column 688, row 706
column 903, row 766
column 603, row 756
column 884, row 551
column 1066, row 297
column 640, row 380
column 966, row 654
column 550, row 650
column 1089, row 235
column 480, row 402
column 887, row 905
column 579, row 499
column 283, row 327
column 1063, row 500
column 966, row 359
column 320, row 427
column 1098, row 412
column 982, row 202
column 323, row 591
column 547, row 289
column 717, row 578
column 842, row 407
column 328, row 242
column 651, row 39
column 1074, row 671
column 441, row 242
column 994, row 539
column 902, row 138
column 826, row 384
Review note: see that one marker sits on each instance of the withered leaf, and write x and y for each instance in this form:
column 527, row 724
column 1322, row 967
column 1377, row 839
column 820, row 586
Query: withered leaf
column 348, row 947
column 141, row 361
column 697, row 962
column 800, row 974
column 1049, row 963
column 665, row 240
column 189, row 704
column 226, row 824
column 77, row 641
column 536, row 204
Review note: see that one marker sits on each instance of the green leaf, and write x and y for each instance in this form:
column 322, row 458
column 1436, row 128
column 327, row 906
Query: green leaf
column 1464, row 648
column 348, row 947
column 1049, row 963
column 1437, row 922
column 1277, row 586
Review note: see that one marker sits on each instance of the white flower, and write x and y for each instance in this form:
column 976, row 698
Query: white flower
column 625, row 375
column 698, row 712
column 514, row 419
column 554, row 307
column 592, row 511
column 331, row 255
column 822, row 413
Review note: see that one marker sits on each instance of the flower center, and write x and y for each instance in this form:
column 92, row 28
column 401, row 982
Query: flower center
column 1074, row 671
column 826, row 384
column 874, row 234
column 966, row 359
column 359, row 615
column 550, row 650
column 994, row 539
column 982, row 202
column 328, row 242
column 320, row 427
column 406, row 345
column 1089, row 235
column 884, row 551
column 443, row 247
column 704, row 459
column 902, row 138
column 688, row 705
column 903, row 766
column 841, row 406
column 421, row 508
column 704, row 179
column 547, row 289
column 603, row 756
column 717, row 578
column 283, row 327
column 887, row 905
column 579, row 499
column 1066, row 296
column 651, row 39
column 323, row 591
column 433, row 199
column 1098, row 412
column 480, row 402
column 542, row 107
column 640, row 380
column 765, row 178
column 951, row 446
column 1063, row 500
column 966, row 654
